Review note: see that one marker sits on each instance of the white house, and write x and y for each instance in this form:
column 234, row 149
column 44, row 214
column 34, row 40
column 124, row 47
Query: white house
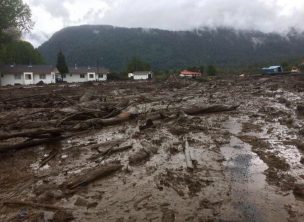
column 85, row 74
column 27, row 74
column 141, row 75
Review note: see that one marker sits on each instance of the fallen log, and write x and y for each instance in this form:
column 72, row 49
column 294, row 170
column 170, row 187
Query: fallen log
column 52, row 155
column 100, row 172
column 33, row 133
column 17, row 203
column 27, row 144
column 188, row 156
column 209, row 109
column 97, row 122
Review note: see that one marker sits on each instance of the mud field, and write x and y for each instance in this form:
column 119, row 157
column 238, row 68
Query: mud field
column 218, row 150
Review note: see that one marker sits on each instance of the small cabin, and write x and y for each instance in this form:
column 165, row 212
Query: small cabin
column 189, row 74
column 141, row 75
column 272, row 70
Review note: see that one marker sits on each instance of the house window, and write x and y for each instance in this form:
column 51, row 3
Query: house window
column 71, row 75
column 2, row 75
column 28, row 76
column 42, row 76
column 82, row 76
column 63, row 76
column 17, row 76
column 100, row 76
column 91, row 76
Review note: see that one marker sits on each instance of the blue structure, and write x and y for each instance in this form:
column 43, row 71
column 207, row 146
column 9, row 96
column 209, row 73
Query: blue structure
column 272, row 70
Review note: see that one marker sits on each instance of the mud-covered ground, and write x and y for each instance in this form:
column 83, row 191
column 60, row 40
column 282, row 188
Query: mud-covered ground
column 248, row 163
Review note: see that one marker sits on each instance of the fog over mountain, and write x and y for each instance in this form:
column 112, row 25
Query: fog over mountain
column 261, row 15
column 113, row 47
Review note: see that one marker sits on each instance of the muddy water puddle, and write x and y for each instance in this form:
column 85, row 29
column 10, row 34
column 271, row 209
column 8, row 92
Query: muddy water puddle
column 252, row 199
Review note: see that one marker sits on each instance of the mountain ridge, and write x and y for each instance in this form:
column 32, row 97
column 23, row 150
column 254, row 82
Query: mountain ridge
column 113, row 47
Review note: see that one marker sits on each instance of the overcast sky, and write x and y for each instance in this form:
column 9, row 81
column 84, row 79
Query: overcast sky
column 265, row 15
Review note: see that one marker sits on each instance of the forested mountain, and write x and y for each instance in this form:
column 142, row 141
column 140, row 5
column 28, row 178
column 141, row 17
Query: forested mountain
column 113, row 47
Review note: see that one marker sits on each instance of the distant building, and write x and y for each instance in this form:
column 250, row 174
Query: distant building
column 85, row 74
column 272, row 70
column 189, row 74
column 141, row 75
column 27, row 74
column 295, row 70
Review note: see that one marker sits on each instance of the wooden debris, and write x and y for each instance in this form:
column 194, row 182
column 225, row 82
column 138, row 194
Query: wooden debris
column 209, row 109
column 27, row 144
column 37, row 133
column 188, row 156
column 18, row 203
column 52, row 155
column 95, row 174
column 141, row 200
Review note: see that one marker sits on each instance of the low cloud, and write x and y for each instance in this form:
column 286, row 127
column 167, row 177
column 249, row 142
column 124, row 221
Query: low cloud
column 264, row 15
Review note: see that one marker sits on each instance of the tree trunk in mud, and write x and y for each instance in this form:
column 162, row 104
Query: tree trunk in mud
column 209, row 109
column 98, row 173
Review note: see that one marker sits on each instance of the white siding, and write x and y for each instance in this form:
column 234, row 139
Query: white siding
column 141, row 77
column 49, row 78
column 71, row 78
column 9, row 79
column 102, row 77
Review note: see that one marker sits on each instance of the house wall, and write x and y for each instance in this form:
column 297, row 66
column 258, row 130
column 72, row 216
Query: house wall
column 75, row 78
column 9, row 79
column 72, row 78
column 49, row 78
column 141, row 77
column 104, row 77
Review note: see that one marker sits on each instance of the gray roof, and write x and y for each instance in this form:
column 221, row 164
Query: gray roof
column 83, row 70
column 142, row 72
column 36, row 69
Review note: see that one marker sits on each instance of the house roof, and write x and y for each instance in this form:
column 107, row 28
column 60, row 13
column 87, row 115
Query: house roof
column 36, row 69
column 142, row 72
column 272, row 67
column 190, row 73
column 84, row 69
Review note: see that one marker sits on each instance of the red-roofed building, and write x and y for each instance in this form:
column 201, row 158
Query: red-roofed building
column 190, row 74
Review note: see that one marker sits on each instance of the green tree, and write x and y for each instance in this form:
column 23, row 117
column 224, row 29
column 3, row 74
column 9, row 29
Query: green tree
column 202, row 69
column 15, row 17
column 61, row 64
column 135, row 64
column 20, row 52
column 211, row 70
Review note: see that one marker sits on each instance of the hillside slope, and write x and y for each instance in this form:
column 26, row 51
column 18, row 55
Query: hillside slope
column 113, row 47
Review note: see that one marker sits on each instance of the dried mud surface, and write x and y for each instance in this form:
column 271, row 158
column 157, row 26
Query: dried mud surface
column 247, row 163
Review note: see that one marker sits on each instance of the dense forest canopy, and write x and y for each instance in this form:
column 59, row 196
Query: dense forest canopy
column 114, row 47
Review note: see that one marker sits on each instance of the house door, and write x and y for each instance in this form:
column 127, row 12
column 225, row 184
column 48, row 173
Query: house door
column 28, row 78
